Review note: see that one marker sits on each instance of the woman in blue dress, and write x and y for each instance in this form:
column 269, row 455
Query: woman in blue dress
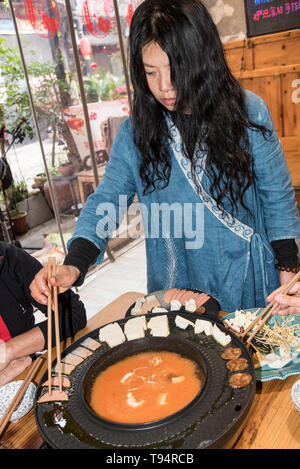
column 219, row 212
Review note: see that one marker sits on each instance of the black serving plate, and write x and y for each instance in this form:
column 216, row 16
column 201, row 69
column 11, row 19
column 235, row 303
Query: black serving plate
column 209, row 421
column 211, row 306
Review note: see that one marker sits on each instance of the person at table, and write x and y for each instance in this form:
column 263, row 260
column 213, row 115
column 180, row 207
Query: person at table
column 289, row 303
column 19, row 336
column 207, row 150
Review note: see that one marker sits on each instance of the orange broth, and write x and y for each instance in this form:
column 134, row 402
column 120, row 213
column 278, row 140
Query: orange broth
column 145, row 387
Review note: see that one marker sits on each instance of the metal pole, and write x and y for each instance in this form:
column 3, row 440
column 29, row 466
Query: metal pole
column 123, row 54
column 82, row 92
column 56, row 213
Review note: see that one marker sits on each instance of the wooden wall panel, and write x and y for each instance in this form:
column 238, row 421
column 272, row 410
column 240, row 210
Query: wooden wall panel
column 270, row 66
column 280, row 49
column 281, row 52
column 291, row 103
column 239, row 57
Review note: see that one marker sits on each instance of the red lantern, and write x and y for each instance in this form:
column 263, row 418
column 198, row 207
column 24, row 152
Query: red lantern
column 85, row 46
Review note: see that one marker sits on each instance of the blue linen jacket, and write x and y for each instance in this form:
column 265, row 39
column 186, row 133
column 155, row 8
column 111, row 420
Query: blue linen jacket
column 188, row 245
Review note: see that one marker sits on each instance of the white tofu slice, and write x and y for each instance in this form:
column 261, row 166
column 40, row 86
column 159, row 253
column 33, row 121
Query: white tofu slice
column 135, row 328
column 220, row 336
column 159, row 326
column 112, row 334
column 190, row 305
column 183, row 323
column 175, row 305
column 159, row 310
column 201, row 325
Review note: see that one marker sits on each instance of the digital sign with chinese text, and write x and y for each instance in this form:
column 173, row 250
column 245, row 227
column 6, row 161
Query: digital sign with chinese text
column 271, row 16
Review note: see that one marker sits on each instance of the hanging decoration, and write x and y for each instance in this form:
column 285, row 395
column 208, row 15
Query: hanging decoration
column 43, row 16
column 129, row 13
column 95, row 19
column 85, row 47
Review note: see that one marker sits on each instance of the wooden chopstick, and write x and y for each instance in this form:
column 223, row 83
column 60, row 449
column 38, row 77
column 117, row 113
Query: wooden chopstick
column 49, row 325
column 272, row 305
column 57, row 335
column 255, row 321
column 19, row 395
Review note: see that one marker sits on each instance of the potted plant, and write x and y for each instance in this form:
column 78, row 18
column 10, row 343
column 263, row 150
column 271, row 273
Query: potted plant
column 16, row 193
column 65, row 167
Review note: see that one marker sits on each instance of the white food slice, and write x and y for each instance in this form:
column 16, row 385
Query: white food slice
column 274, row 361
column 201, row 325
column 159, row 326
column 175, row 305
column 159, row 310
column 132, row 402
column 137, row 309
column 183, row 323
column 178, row 379
column 219, row 336
column 112, row 334
column 162, row 399
column 135, row 328
column 191, row 305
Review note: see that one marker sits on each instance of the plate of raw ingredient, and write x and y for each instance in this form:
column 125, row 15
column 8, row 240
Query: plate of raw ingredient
column 276, row 348
column 175, row 299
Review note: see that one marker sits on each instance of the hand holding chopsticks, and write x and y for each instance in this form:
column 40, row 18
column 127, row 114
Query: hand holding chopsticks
column 53, row 395
column 268, row 310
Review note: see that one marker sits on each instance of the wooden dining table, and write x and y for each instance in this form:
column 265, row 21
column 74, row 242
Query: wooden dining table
column 273, row 422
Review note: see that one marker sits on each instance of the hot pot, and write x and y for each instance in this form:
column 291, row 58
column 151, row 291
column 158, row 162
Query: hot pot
column 209, row 421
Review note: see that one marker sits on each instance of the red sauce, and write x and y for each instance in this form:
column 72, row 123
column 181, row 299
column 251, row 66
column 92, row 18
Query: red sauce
column 145, row 387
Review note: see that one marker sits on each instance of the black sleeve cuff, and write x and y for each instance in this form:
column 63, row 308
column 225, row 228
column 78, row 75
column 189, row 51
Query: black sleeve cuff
column 82, row 254
column 286, row 252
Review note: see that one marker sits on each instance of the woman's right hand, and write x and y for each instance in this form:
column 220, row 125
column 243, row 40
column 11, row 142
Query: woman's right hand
column 66, row 276
column 288, row 303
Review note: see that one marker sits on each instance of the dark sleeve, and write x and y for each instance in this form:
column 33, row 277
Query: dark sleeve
column 72, row 314
column 72, row 317
column 286, row 252
column 1, row 169
column 82, row 254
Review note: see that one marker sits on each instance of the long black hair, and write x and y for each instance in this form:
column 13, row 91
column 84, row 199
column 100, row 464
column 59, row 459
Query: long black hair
column 217, row 118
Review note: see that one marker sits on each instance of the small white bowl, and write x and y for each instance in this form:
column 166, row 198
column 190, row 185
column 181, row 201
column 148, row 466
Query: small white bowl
column 295, row 393
column 7, row 393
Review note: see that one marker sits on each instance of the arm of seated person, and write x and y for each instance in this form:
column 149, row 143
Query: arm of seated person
column 15, row 353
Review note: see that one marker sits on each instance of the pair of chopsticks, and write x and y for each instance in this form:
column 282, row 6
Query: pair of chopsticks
column 19, row 395
column 51, row 271
column 268, row 310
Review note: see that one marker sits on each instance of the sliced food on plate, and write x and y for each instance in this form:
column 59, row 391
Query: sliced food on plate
column 175, row 299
